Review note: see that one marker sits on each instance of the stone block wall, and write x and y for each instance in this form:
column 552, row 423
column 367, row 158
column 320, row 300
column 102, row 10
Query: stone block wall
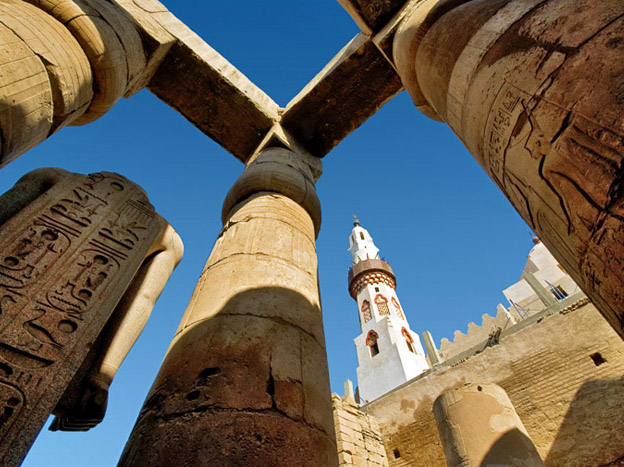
column 563, row 372
column 358, row 437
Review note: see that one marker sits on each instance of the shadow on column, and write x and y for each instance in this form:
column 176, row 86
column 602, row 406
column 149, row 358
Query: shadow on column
column 509, row 449
column 244, row 387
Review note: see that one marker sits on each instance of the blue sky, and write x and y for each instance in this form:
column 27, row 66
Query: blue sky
column 451, row 237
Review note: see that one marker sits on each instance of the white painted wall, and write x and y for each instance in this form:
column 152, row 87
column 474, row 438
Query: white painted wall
column 395, row 363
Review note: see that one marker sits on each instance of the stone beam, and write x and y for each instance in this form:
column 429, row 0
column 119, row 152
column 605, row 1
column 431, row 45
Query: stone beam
column 204, row 87
column 372, row 15
column 221, row 102
column 353, row 86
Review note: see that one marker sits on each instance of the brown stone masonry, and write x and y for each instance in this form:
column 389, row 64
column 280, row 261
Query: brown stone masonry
column 70, row 245
column 245, row 380
column 534, row 90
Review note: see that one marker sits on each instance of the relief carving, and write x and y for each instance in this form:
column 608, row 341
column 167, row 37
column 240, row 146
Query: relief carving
column 71, row 265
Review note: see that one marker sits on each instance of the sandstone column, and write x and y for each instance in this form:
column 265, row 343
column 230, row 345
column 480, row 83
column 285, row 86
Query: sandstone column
column 70, row 245
column 534, row 89
column 245, row 380
column 479, row 426
column 63, row 62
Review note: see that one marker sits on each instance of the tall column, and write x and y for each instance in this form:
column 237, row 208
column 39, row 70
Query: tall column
column 245, row 379
column 479, row 426
column 63, row 62
column 534, row 90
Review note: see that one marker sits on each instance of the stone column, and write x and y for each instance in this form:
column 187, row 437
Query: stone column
column 82, row 260
column 534, row 90
column 479, row 426
column 432, row 351
column 63, row 62
column 245, row 379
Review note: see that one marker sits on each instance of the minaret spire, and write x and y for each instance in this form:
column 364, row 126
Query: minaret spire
column 361, row 243
column 388, row 352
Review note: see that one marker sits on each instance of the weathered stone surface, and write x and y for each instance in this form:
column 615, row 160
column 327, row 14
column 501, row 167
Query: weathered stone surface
column 353, row 86
column 69, row 246
column 44, row 84
column 261, row 386
column 534, row 89
column 358, row 436
column 479, row 426
column 67, row 62
column 372, row 15
column 111, row 42
column 571, row 407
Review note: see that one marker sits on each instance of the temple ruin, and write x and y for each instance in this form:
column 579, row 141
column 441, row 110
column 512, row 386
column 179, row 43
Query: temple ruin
column 533, row 89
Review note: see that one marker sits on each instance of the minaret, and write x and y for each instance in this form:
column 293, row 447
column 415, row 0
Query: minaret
column 389, row 352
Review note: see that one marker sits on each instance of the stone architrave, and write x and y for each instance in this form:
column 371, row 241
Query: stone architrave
column 534, row 90
column 479, row 426
column 245, row 379
column 82, row 260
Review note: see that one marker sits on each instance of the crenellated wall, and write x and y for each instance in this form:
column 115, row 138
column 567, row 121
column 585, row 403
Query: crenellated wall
column 568, row 392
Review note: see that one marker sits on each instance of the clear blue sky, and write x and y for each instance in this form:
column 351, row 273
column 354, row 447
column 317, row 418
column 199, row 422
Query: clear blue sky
column 451, row 237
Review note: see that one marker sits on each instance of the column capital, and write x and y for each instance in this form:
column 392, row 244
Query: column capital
column 283, row 171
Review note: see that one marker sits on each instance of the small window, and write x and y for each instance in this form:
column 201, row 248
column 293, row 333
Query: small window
column 409, row 340
column 376, row 289
column 371, row 342
column 558, row 292
column 397, row 454
column 362, row 235
column 382, row 305
column 366, row 311
column 597, row 358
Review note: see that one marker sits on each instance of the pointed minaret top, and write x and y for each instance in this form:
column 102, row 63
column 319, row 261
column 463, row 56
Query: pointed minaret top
column 361, row 243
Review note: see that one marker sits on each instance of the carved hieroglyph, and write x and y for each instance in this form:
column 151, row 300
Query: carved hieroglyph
column 70, row 246
column 245, row 380
column 535, row 90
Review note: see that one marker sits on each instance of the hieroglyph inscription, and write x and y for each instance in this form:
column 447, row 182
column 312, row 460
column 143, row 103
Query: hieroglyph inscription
column 65, row 261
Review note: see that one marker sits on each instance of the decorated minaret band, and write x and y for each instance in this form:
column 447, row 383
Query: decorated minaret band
column 366, row 267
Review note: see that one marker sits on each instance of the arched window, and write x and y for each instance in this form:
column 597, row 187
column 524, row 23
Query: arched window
column 371, row 342
column 409, row 340
column 366, row 311
column 397, row 308
column 362, row 235
column 382, row 305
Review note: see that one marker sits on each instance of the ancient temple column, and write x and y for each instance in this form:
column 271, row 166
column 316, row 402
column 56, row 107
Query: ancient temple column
column 479, row 426
column 63, row 62
column 534, row 90
column 245, row 379
column 83, row 258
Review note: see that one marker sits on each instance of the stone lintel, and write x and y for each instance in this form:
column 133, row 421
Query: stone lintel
column 190, row 76
column 204, row 87
column 372, row 15
column 353, row 86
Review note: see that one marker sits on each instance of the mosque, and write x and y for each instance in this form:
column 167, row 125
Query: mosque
column 563, row 387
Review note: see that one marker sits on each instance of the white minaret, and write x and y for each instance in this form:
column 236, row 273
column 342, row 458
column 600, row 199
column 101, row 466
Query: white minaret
column 388, row 352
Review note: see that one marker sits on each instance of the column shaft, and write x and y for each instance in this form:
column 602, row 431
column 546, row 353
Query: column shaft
column 245, row 380
column 64, row 62
column 479, row 426
column 534, row 89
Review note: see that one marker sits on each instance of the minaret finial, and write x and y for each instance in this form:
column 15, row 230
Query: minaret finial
column 356, row 221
